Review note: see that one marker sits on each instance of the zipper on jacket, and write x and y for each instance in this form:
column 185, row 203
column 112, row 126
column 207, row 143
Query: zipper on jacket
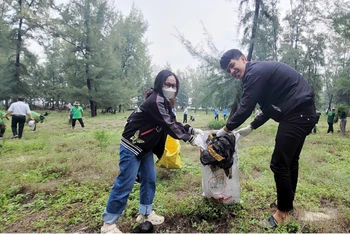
column 148, row 131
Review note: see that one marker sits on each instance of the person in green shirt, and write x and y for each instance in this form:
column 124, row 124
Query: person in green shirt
column 37, row 118
column 78, row 114
column 330, row 119
column 2, row 124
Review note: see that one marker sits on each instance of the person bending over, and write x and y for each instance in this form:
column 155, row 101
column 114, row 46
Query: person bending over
column 284, row 96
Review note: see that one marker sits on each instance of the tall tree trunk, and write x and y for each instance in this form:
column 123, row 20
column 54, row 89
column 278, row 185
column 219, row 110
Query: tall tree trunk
column 235, row 105
column 275, row 37
column 254, row 29
column 296, row 46
column 18, row 50
column 330, row 101
column 93, row 106
column 53, row 103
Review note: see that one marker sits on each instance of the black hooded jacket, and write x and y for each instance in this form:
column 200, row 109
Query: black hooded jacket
column 276, row 87
column 148, row 126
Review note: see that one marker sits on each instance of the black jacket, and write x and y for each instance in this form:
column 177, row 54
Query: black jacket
column 148, row 126
column 276, row 87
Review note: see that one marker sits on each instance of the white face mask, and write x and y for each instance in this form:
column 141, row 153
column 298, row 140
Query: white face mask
column 169, row 93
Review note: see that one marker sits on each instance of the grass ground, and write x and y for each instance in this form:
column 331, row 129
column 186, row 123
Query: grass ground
column 58, row 180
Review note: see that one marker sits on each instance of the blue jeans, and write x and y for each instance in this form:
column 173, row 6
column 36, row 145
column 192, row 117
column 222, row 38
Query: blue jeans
column 129, row 166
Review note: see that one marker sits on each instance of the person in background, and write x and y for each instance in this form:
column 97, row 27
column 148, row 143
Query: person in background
column 330, row 119
column 37, row 118
column 77, row 114
column 185, row 115
column 144, row 134
column 2, row 124
column 70, row 114
column 342, row 114
column 315, row 129
column 174, row 110
column 19, row 110
column 216, row 114
column 224, row 113
column 284, row 96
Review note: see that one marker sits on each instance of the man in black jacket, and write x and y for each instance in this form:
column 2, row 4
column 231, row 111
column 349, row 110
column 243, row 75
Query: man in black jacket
column 284, row 96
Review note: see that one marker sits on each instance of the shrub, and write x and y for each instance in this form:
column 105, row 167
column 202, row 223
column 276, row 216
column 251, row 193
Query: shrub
column 102, row 138
column 216, row 124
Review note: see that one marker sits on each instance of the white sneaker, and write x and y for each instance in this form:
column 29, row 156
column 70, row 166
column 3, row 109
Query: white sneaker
column 152, row 217
column 109, row 228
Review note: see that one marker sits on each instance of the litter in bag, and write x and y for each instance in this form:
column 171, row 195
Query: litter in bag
column 220, row 179
column 219, row 151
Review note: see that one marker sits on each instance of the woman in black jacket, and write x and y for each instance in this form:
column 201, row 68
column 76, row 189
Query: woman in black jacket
column 145, row 134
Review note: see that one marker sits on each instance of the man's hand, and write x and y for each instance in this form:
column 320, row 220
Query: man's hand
column 245, row 131
column 221, row 132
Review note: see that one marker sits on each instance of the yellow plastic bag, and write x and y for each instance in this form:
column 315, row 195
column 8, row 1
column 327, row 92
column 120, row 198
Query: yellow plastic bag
column 171, row 156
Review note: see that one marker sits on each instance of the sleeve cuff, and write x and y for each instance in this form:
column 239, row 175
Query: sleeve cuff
column 191, row 139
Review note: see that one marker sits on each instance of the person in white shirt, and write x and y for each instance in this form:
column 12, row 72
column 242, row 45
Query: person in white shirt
column 19, row 110
column 185, row 115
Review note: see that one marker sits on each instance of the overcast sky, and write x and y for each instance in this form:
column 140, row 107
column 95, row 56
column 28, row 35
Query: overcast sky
column 163, row 16
column 220, row 17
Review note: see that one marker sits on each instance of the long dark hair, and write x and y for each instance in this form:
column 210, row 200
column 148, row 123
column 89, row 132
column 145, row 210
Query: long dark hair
column 147, row 93
column 161, row 77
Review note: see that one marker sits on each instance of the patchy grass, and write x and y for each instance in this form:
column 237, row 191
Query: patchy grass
column 58, row 180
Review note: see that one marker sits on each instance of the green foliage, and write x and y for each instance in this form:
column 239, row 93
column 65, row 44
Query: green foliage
column 304, row 51
column 340, row 20
column 102, row 138
column 97, row 56
column 216, row 124
column 16, row 146
column 203, row 227
column 342, row 89
column 185, row 88
column 45, row 174
column 343, row 108
column 19, row 22
column 261, row 28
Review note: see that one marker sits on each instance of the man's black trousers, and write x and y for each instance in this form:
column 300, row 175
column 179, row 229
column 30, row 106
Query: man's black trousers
column 289, row 142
